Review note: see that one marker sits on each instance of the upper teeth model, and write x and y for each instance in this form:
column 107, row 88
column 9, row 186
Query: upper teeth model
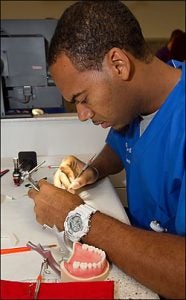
column 86, row 263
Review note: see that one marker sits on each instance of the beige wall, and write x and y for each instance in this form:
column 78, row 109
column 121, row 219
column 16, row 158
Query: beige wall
column 157, row 18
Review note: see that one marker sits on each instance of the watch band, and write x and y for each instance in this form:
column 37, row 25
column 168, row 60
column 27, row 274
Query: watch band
column 77, row 222
column 85, row 208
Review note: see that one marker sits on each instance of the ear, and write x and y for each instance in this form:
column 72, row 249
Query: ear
column 119, row 63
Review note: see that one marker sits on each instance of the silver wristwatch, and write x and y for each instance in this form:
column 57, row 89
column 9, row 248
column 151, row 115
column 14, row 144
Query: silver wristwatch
column 77, row 222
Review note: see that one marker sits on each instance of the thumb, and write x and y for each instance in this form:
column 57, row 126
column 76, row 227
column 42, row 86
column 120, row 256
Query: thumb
column 75, row 184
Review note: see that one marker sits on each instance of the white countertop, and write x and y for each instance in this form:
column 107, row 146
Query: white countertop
column 18, row 226
column 44, row 117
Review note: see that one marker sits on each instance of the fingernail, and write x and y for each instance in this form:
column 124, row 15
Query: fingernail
column 75, row 185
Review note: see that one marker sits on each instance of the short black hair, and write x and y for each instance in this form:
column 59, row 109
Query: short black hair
column 175, row 33
column 178, row 48
column 87, row 30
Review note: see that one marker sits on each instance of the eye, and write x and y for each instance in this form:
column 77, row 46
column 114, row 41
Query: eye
column 84, row 101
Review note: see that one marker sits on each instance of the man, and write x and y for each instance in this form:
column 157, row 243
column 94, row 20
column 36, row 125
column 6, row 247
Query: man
column 100, row 61
column 164, row 53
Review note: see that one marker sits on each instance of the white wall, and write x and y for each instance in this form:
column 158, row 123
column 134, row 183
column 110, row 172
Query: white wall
column 50, row 136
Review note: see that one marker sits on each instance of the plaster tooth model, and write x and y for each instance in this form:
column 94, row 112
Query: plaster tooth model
column 86, row 263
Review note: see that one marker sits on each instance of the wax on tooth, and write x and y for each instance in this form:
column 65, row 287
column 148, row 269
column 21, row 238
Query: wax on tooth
column 76, row 264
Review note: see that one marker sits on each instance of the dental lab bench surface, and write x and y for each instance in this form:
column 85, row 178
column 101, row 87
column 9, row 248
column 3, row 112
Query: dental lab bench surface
column 18, row 223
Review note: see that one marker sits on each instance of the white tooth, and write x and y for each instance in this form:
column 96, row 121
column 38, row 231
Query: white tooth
column 76, row 264
column 103, row 255
column 96, row 250
column 90, row 248
column 99, row 264
column 83, row 266
column 94, row 265
column 89, row 266
column 85, row 246
column 100, row 251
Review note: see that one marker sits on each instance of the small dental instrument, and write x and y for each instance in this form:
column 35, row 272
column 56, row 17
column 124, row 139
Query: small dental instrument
column 46, row 255
column 22, row 249
column 44, row 265
column 88, row 164
column 3, row 172
column 65, row 244
column 53, row 167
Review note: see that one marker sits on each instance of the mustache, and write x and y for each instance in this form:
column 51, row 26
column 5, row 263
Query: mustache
column 97, row 122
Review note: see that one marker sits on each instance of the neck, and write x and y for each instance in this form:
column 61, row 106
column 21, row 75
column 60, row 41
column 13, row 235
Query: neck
column 157, row 86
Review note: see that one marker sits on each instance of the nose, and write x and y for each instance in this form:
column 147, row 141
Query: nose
column 84, row 113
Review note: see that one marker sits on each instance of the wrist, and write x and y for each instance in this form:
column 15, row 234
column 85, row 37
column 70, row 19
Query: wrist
column 78, row 221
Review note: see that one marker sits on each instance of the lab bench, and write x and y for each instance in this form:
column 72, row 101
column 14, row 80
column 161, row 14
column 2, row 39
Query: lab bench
column 52, row 138
column 18, row 225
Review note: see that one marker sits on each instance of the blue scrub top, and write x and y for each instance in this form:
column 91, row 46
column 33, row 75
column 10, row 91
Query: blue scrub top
column 155, row 164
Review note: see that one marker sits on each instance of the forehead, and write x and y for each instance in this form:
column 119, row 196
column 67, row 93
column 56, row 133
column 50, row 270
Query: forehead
column 64, row 72
column 71, row 81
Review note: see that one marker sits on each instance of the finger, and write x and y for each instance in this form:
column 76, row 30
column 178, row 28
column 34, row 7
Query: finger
column 68, row 171
column 76, row 184
column 57, row 181
column 32, row 193
column 89, row 176
column 61, row 180
column 72, row 166
column 64, row 180
column 42, row 182
column 71, row 191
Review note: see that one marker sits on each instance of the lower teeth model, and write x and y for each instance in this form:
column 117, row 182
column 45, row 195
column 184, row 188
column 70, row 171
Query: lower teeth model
column 86, row 263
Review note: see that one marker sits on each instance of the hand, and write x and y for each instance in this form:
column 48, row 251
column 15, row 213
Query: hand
column 53, row 204
column 67, row 174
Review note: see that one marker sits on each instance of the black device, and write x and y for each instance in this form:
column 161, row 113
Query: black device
column 27, row 160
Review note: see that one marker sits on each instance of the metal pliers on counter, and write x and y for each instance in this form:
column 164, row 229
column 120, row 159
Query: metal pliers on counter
column 26, row 175
column 47, row 255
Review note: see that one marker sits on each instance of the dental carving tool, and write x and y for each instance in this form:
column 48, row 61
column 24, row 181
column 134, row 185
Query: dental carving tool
column 88, row 164
column 44, row 265
column 83, row 169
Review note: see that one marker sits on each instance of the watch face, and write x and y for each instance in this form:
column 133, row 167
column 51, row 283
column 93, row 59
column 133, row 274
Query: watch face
column 75, row 223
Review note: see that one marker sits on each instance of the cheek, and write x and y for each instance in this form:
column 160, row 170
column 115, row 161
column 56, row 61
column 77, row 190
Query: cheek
column 103, row 97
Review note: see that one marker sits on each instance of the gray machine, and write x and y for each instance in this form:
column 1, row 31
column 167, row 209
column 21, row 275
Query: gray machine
column 25, row 80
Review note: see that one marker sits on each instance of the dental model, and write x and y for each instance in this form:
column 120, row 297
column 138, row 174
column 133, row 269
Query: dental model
column 86, row 263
